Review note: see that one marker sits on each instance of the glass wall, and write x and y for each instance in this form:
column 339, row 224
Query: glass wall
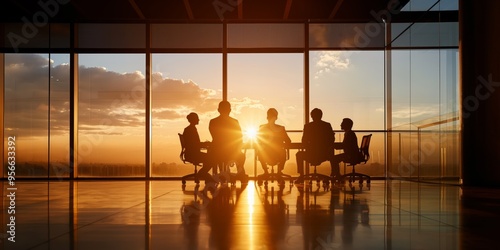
column 111, row 117
column 181, row 84
column 412, row 111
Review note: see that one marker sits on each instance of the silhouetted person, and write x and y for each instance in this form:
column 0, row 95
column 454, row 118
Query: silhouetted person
column 193, row 147
column 349, row 145
column 318, row 139
column 227, row 139
column 271, row 142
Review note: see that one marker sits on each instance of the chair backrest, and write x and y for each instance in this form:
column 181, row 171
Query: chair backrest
column 364, row 149
column 183, row 148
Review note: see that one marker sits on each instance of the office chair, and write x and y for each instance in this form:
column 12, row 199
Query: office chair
column 364, row 157
column 183, row 159
column 274, row 176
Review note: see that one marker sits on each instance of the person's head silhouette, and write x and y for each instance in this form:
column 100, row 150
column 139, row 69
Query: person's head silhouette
column 316, row 114
column 193, row 118
column 224, row 108
column 346, row 124
column 272, row 114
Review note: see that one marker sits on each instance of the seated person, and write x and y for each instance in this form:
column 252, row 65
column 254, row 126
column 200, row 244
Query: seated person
column 227, row 139
column 349, row 145
column 193, row 146
column 271, row 142
column 317, row 139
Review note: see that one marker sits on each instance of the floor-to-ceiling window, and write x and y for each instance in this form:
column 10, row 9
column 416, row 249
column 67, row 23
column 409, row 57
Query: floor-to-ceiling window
column 350, row 84
column 111, row 100
column 346, row 80
column 36, row 114
column 424, row 110
column 111, row 117
column 265, row 70
column 181, row 84
column 186, row 67
column 257, row 82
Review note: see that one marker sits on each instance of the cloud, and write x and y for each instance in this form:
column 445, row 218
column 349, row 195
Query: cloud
column 416, row 112
column 105, row 97
column 419, row 114
column 330, row 60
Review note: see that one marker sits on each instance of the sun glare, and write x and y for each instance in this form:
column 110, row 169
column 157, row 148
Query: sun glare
column 250, row 133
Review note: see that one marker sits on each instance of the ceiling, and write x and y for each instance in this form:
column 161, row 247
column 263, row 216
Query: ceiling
column 193, row 10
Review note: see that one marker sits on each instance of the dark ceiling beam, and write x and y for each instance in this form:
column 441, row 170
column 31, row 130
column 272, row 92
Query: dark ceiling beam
column 287, row 9
column 137, row 9
column 336, row 9
column 189, row 11
column 240, row 9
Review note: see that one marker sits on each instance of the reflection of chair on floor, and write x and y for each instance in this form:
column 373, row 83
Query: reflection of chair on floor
column 316, row 212
column 193, row 176
column 220, row 216
column 272, row 175
column 277, row 214
column 353, row 176
column 355, row 212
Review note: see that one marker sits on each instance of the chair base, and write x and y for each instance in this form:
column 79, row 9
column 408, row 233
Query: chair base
column 353, row 177
column 317, row 177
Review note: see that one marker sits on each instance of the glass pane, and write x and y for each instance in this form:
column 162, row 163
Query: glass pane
column 425, row 34
column 19, row 35
column 59, row 115
column 348, row 84
column 347, row 35
column 182, row 83
column 424, row 5
column 257, row 82
column 100, row 35
column 186, row 35
column 425, row 114
column 419, row 5
column 111, row 118
column 26, row 112
column 28, row 35
column 400, row 64
column 265, row 35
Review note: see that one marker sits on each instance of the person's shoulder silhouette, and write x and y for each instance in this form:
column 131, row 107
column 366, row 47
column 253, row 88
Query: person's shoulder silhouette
column 318, row 134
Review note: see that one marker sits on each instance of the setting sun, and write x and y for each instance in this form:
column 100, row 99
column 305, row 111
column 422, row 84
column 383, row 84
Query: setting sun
column 250, row 133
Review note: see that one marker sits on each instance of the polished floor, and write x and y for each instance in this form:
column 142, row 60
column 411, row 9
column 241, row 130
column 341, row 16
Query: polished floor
column 160, row 215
